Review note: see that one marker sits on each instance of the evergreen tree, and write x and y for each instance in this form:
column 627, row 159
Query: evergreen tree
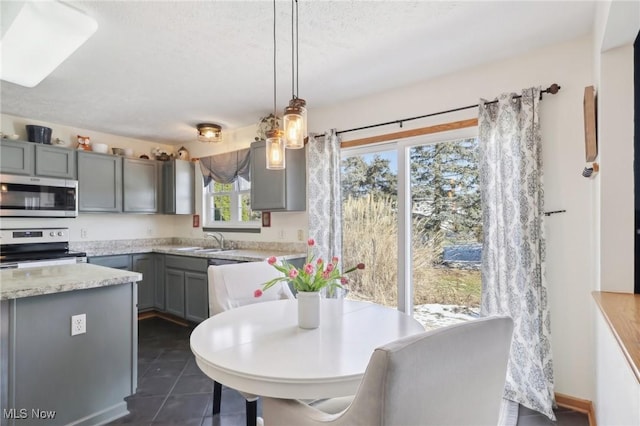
column 444, row 189
column 360, row 178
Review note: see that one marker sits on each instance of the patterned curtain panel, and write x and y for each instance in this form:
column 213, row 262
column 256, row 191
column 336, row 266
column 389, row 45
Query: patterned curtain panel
column 324, row 195
column 225, row 168
column 513, row 277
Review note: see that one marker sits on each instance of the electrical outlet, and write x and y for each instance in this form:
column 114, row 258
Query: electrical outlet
column 149, row 232
column 281, row 234
column 300, row 235
column 78, row 324
column 83, row 233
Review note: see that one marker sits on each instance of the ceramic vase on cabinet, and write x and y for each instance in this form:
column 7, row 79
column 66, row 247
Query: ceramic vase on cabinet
column 308, row 309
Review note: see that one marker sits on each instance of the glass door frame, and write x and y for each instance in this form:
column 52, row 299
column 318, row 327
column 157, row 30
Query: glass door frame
column 403, row 150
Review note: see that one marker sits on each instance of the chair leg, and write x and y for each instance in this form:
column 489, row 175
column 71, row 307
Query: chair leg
column 217, row 397
column 252, row 412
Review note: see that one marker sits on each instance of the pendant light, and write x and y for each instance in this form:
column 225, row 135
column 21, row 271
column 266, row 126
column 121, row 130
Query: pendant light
column 295, row 115
column 274, row 145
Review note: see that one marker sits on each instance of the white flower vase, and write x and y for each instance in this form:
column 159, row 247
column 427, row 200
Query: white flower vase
column 308, row 309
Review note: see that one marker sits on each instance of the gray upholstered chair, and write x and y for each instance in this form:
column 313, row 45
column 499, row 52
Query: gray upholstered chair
column 450, row 376
column 231, row 286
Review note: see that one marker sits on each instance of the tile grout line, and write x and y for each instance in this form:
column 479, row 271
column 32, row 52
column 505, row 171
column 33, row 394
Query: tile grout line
column 170, row 390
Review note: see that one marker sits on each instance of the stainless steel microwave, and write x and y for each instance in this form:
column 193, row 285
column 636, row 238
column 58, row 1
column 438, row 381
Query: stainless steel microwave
column 31, row 196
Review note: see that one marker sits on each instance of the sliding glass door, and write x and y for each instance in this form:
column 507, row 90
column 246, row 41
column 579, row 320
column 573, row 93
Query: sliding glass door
column 446, row 231
column 370, row 223
column 411, row 213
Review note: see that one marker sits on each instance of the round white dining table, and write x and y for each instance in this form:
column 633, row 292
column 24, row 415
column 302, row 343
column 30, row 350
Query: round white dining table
column 260, row 349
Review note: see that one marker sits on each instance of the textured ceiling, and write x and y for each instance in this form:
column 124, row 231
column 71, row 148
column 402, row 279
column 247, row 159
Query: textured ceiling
column 153, row 70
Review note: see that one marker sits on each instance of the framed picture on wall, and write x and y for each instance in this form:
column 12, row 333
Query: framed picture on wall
column 590, row 124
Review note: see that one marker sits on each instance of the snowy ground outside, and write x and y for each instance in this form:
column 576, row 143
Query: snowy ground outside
column 433, row 316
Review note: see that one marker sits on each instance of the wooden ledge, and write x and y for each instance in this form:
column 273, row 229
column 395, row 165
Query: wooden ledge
column 622, row 313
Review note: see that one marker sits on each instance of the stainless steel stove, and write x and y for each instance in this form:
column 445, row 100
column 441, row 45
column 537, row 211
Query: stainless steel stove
column 31, row 247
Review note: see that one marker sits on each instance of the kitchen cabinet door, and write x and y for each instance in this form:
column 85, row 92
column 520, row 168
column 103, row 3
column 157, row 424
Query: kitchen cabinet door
column 52, row 161
column 141, row 189
column 117, row 261
column 174, row 285
column 159, row 294
column 196, row 296
column 16, row 157
column 278, row 190
column 178, row 187
column 99, row 182
column 144, row 264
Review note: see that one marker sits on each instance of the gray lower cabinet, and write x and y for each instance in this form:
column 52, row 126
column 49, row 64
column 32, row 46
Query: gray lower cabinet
column 160, row 290
column 117, row 261
column 178, row 189
column 80, row 379
column 144, row 263
column 278, row 190
column 57, row 162
column 141, row 186
column 99, row 182
column 174, row 283
column 187, row 293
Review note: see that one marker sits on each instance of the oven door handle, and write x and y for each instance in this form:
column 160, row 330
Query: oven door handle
column 9, row 266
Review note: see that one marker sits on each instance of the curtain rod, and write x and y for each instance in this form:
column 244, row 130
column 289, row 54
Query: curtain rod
column 553, row 89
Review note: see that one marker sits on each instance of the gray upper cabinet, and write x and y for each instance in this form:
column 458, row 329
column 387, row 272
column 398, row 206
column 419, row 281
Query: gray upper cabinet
column 32, row 159
column 56, row 162
column 278, row 190
column 17, row 157
column 99, row 182
column 178, row 178
column 141, row 182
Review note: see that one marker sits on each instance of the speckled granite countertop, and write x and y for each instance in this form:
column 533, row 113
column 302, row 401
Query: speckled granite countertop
column 17, row 283
column 250, row 255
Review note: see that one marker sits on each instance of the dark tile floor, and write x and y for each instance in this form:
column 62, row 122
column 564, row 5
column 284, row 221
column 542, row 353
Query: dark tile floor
column 173, row 391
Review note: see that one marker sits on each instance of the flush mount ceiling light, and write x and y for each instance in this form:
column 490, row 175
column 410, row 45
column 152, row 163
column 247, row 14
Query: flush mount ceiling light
column 295, row 115
column 208, row 132
column 274, row 145
column 40, row 38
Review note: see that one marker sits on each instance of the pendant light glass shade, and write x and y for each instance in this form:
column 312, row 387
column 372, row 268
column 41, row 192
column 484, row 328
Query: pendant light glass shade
column 295, row 123
column 275, row 150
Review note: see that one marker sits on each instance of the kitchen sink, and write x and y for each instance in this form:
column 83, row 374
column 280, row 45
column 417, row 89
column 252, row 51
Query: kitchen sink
column 188, row 248
column 208, row 250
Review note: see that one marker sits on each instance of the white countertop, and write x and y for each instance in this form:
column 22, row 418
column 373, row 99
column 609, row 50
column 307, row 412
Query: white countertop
column 17, row 283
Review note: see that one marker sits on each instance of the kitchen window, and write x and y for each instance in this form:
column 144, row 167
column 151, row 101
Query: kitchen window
column 228, row 205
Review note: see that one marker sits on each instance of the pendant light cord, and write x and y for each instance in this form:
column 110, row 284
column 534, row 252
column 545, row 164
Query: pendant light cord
column 273, row 126
column 297, row 55
column 293, row 72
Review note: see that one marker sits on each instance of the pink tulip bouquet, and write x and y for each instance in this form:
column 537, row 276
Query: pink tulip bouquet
column 313, row 276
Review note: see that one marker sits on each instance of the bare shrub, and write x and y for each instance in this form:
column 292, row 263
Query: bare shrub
column 370, row 235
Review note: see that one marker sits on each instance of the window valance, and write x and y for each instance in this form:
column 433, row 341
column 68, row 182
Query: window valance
column 225, row 168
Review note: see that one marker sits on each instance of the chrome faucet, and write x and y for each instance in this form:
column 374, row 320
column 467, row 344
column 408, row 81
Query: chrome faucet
column 219, row 238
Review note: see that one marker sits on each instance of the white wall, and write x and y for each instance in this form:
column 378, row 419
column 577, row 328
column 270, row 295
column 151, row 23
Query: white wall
column 570, row 249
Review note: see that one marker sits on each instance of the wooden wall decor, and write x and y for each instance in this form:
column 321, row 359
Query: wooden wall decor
column 590, row 124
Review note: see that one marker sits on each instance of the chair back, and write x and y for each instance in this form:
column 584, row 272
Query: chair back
column 449, row 376
column 234, row 285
